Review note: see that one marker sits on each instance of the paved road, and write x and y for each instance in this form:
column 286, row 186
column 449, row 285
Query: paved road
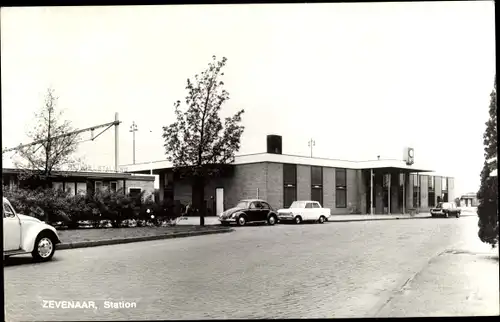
column 353, row 269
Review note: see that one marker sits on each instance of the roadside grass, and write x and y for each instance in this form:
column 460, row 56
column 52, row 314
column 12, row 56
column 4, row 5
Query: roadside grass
column 84, row 235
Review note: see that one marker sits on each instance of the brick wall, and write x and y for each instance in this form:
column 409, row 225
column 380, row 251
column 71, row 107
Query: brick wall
column 360, row 182
column 274, row 186
column 329, row 188
column 352, row 188
column 303, row 182
column 245, row 182
column 147, row 186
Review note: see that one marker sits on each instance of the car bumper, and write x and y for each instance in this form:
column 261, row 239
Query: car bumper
column 285, row 218
column 229, row 220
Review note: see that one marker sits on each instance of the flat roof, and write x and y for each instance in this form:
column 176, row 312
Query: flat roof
column 155, row 166
column 89, row 174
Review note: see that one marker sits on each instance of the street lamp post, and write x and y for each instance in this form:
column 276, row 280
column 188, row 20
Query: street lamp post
column 151, row 160
column 311, row 144
column 133, row 129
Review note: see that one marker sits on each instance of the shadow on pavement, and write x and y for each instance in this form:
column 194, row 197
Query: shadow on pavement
column 24, row 260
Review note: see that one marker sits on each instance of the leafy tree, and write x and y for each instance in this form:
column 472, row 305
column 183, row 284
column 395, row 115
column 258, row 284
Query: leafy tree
column 197, row 143
column 487, row 209
column 56, row 144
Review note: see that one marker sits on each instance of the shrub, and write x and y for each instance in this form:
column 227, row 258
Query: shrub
column 55, row 205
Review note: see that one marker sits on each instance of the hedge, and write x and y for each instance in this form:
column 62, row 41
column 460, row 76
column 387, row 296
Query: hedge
column 53, row 206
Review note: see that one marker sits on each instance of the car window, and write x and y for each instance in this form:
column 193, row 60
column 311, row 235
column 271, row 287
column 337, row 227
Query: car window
column 242, row 204
column 309, row 205
column 8, row 211
column 265, row 205
column 253, row 205
column 316, row 205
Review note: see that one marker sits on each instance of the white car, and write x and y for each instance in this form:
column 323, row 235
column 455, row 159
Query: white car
column 24, row 234
column 300, row 211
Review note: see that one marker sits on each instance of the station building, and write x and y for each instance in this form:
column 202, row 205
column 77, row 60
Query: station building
column 363, row 187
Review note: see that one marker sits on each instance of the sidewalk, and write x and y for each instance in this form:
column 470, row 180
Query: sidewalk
column 213, row 220
column 461, row 281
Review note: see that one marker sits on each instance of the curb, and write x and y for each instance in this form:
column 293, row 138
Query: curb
column 116, row 241
column 376, row 219
column 391, row 218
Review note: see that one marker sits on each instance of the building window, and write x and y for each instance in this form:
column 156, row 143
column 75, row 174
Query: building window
column 134, row 192
column 340, row 188
column 70, row 188
column 81, row 188
column 416, row 191
column 444, row 185
column 113, row 186
column 431, row 194
column 290, row 184
column 317, row 184
column 57, row 185
column 98, row 186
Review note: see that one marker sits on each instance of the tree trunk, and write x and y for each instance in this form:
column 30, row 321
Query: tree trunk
column 198, row 197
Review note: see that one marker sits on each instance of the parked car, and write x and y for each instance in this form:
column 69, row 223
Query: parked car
column 446, row 209
column 300, row 211
column 24, row 234
column 251, row 210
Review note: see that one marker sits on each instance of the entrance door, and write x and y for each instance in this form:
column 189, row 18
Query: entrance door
column 219, row 201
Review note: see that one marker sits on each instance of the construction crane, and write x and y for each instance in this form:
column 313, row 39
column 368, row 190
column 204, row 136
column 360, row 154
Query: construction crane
column 115, row 123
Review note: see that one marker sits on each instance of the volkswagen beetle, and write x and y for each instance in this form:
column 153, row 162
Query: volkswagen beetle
column 24, row 234
column 251, row 210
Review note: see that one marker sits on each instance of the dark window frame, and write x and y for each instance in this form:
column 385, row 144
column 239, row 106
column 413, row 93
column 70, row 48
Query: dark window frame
column 416, row 190
column 317, row 187
column 444, row 180
column 431, row 183
column 340, row 186
column 289, row 186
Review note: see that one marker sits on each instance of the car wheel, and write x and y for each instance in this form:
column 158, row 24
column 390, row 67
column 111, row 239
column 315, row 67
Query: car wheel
column 242, row 221
column 44, row 248
column 298, row 220
column 458, row 214
column 272, row 220
column 446, row 215
column 321, row 219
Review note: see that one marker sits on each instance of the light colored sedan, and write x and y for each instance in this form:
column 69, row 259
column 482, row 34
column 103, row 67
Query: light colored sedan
column 24, row 234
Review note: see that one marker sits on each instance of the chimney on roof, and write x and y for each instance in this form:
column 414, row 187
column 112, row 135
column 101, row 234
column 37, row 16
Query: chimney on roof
column 274, row 144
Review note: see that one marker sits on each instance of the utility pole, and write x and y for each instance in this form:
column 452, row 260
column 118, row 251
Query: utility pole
column 133, row 129
column 311, row 144
column 117, row 122
column 151, row 160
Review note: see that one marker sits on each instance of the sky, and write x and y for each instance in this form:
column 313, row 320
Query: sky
column 360, row 79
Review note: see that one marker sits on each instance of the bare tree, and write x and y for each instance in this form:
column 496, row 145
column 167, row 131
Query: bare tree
column 56, row 144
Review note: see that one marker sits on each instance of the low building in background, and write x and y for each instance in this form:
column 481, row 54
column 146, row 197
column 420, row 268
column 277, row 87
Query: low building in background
column 395, row 186
column 469, row 200
column 76, row 182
